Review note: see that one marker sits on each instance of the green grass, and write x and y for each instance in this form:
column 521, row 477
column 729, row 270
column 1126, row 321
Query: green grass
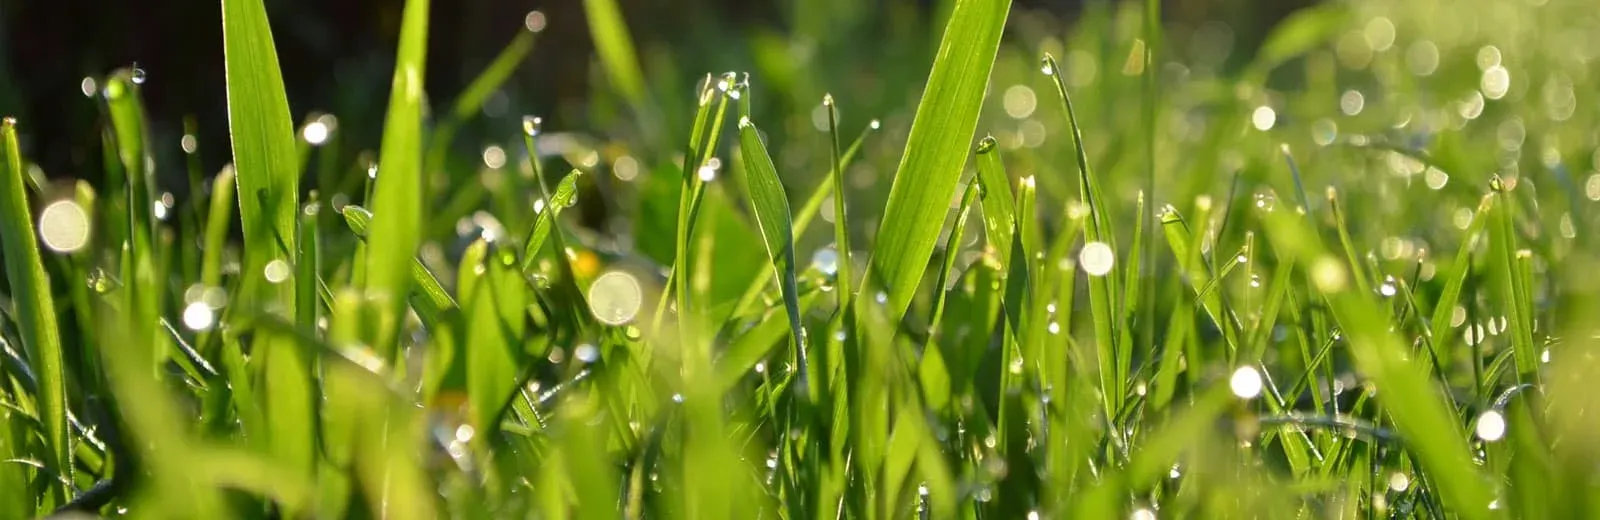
column 1100, row 292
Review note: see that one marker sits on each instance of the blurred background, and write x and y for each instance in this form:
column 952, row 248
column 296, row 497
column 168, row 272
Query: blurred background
column 337, row 56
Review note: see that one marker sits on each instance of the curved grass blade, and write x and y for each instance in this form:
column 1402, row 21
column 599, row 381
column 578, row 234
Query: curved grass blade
column 1456, row 277
column 770, row 205
column 566, row 196
column 937, row 148
column 429, row 298
column 802, row 219
column 397, row 196
column 1103, row 288
column 35, row 310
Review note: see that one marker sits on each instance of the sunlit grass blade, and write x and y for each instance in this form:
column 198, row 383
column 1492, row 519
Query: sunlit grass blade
column 802, row 219
column 1099, row 236
column 770, row 205
column 565, row 196
column 35, row 311
column 398, row 204
column 1456, row 276
column 841, row 227
column 1510, row 263
column 1422, row 416
column 490, row 362
column 428, row 298
column 946, row 119
column 264, row 158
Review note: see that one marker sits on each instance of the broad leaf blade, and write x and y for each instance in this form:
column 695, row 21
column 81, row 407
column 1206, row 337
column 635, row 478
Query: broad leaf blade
column 946, row 120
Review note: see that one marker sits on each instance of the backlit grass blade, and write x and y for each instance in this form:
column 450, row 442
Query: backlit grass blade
column 398, row 204
column 770, row 205
column 429, row 298
column 565, row 196
column 841, row 226
column 35, row 310
column 937, row 148
column 490, row 357
column 1510, row 263
column 266, row 166
column 1456, row 276
column 264, row 158
column 1422, row 417
column 1097, row 233
column 802, row 219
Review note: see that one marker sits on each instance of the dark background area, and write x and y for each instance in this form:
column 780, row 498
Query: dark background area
column 336, row 56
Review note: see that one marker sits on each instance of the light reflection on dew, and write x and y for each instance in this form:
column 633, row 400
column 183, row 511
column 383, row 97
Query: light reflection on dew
column 1351, row 102
column 276, row 271
column 534, row 21
column 1020, row 101
column 64, row 226
column 1495, row 82
column 615, row 297
column 494, row 157
column 1245, row 383
column 826, row 261
column 1491, row 426
column 586, row 353
column 1263, row 118
column 1096, row 258
column 198, row 316
column 316, row 132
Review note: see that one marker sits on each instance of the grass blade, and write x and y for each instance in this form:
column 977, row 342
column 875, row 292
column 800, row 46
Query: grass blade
column 770, row 205
column 945, row 122
column 1097, row 233
column 397, row 198
column 35, row 309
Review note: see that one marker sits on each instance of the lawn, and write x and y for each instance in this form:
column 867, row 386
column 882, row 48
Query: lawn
column 992, row 263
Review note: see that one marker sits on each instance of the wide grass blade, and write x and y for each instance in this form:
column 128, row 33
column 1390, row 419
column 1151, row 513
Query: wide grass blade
column 941, row 134
column 398, row 204
column 770, row 205
column 267, row 168
column 35, row 310
column 264, row 158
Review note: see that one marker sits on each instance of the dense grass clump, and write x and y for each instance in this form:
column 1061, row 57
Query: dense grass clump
column 1349, row 274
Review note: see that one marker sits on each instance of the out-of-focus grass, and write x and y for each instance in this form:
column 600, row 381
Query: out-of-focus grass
column 1155, row 318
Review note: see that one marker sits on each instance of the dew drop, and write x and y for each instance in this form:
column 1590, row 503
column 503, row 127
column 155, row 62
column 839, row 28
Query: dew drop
column 137, row 75
column 64, row 226
column 1491, row 426
column 198, row 316
column 615, row 298
column 1245, row 383
column 1097, row 258
column 986, row 144
column 531, row 125
column 277, row 271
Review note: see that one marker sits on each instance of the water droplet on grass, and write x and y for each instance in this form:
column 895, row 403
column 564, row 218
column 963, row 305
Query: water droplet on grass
column 1245, row 383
